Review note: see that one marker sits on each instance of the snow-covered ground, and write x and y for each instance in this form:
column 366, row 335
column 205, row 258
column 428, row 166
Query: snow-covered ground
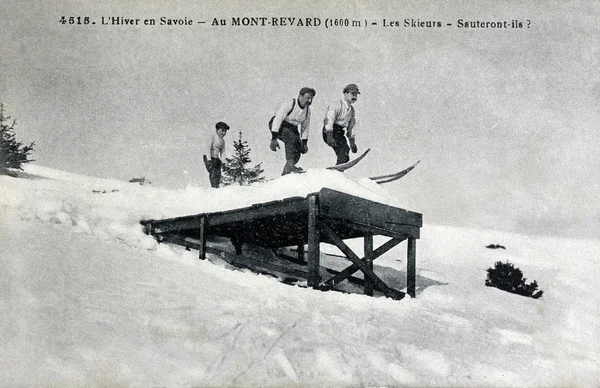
column 86, row 299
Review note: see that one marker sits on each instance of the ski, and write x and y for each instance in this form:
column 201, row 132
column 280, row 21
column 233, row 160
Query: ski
column 339, row 167
column 393, row 176
column 347, row 165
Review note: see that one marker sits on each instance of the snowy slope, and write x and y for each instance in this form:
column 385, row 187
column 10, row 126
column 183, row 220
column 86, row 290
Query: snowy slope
column 88, row 300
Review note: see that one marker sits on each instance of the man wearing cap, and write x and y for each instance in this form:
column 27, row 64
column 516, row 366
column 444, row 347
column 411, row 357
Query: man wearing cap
column 284, row 125
column 216, row 148
column 340, row 121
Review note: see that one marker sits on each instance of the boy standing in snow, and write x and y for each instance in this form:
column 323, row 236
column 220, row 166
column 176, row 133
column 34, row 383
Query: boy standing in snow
column 340, row 118
column 284, row 126
column 216, row 148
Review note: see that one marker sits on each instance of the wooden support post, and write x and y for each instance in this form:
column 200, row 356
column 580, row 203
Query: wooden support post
column 300, row 252
column 314, row 253
column 369, row 262
column 149, row 229
column 411, row 275
column 237, row 244
column 202, row 245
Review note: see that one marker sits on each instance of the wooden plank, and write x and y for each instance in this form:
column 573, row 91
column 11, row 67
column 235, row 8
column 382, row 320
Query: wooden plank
column 277, row 209
column 252, row 213
column 343, row 275
column 314, row 252
column 389, row 292
column 368, row 249
column 345, row 206
column 411, row 275
column 400, row 231
column 407, row 230
column 177, row 225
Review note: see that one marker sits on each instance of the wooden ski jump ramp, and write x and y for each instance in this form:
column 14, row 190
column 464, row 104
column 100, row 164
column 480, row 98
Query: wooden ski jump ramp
column 328, row 216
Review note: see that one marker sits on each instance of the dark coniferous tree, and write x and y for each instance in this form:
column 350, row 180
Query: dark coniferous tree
column 13, row 153
column 236, row 169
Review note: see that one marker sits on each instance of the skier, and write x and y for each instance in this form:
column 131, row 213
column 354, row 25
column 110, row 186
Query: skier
column 340, row 118
column 216, row 148
column 284, row 126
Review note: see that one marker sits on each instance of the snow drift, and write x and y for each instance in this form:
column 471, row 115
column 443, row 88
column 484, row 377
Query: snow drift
column 88, row 300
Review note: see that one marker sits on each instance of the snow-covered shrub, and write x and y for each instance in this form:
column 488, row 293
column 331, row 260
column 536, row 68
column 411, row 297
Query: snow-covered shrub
column 506, row 277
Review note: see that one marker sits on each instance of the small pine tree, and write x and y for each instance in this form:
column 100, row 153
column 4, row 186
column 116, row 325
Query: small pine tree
column 235, row 170
column 13, row 154
column 506, row 277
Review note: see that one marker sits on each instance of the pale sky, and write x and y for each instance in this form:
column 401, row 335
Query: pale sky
column 504, row 121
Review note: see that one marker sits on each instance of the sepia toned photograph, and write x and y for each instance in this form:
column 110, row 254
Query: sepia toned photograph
column 387, row 193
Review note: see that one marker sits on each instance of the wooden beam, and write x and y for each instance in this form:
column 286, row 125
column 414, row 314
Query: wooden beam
column 270, row 209
column 400, row 231
column 314, row 252
column 282, row 208
column 368, row 249
column 389, row 292
column 343, row 275
column 411, row 275
column 345, row 206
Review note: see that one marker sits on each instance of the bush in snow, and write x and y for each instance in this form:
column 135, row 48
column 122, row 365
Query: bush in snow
column 506, row 277
column 13, row 154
